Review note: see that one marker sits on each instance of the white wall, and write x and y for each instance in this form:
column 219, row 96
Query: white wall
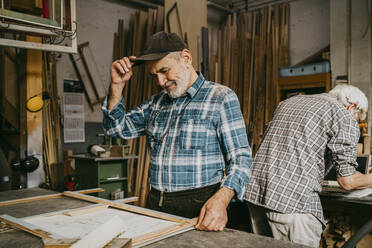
column 309, row 28
column 97, row 20
column 355, row 59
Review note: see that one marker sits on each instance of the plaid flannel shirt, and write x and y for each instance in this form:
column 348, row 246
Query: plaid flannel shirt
column 196, row 140
column 290, row 165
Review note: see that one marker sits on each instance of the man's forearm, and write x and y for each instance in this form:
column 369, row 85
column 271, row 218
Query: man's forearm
column 356, row 181
column 114, row 96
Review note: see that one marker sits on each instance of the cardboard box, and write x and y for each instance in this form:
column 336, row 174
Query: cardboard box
column 119, row 150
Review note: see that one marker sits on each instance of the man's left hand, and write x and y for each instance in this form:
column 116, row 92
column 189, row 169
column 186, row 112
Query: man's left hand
column 213, row 215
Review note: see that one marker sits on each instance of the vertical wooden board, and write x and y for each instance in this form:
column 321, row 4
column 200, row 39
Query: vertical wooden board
column 56, row 124
column 34, row 119
column 251, row 73
column 268, row 97
column 276, row 51
column 159, row 19
column 235, row 68
column 193, row 16
column 246, row 84
column 219, row 57
column 145, row 181
column 211, row 54
column 262, row 78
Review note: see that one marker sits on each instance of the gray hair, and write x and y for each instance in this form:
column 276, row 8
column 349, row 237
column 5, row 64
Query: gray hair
column 175, row 55
column 348, row 94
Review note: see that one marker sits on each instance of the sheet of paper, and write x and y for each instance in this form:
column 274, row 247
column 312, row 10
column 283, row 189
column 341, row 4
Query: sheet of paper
column 359, row 193
column 74, row 128
column 81, row 225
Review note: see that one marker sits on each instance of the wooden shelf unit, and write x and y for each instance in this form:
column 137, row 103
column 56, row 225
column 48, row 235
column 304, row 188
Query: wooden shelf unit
column 304, row 82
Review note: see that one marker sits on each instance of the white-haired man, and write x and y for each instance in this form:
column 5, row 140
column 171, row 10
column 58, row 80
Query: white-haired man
column 199, row 152
column 307, row 136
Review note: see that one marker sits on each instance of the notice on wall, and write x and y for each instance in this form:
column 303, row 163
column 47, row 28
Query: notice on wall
column 73, row 109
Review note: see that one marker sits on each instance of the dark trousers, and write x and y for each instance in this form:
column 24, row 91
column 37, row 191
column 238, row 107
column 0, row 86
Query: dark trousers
column 187, row 203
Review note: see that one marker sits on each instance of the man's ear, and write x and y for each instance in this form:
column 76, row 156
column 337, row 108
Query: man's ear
column 186, row 56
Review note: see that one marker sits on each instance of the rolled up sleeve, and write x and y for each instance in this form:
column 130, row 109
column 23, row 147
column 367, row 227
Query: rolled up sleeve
column 126, row 125
column 235, row 145
column 343, row 144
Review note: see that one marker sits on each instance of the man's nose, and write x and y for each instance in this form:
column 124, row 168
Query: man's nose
column 161, row 79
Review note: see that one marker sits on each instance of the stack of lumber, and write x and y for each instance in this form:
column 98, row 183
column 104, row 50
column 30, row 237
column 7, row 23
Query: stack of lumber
column 140, row 88
column 338, row 229
column 251, row 47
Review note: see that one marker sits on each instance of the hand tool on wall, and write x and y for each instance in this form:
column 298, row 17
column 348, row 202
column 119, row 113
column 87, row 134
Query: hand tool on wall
column 86, row 68
column 175, row 7
column 81, row 80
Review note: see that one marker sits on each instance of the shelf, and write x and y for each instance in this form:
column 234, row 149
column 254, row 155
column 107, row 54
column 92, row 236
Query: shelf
column 314, row 82
column 113, row 180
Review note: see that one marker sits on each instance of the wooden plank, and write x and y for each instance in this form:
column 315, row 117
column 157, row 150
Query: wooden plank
column 159, row 24
column 276, row 50
column 56, row 124
column 262, row 78
column 251, row 73
column 102, row 235
column 85, row 210
column 269, row 66
column 43, row 197
column 235, row 56
column 367, row 145
column 219, row 57
column 58, row 243
column 321, row 77
column 128, row 200
column 34, row 119
column 145, row 187
column 120, row 243
column 25, row 226
column 126, row 207
column 10, row 113
column 164, row 231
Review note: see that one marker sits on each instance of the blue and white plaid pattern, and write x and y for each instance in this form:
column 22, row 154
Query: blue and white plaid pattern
column 193, row 140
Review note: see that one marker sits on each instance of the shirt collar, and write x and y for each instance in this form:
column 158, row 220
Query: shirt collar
column 196, row 85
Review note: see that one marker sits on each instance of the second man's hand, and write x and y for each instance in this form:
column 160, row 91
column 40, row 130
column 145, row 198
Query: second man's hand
column 121, row 72
column 213, row 215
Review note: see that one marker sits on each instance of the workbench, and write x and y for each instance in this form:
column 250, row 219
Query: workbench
column 358, row 208
column 193, row 238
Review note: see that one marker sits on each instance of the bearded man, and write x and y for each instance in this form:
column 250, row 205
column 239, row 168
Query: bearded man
column 199, row 153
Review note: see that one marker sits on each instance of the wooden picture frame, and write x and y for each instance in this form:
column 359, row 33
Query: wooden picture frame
column 53, row 240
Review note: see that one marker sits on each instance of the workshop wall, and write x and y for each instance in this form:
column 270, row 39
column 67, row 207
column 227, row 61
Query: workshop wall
column 309, row 28
column 351, row 51
column 97, row 21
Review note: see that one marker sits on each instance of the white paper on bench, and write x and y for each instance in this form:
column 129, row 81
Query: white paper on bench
column 359, row 193
column 81, row 225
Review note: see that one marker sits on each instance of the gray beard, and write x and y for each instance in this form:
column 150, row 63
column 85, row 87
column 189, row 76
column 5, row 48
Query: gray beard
column 181, row 86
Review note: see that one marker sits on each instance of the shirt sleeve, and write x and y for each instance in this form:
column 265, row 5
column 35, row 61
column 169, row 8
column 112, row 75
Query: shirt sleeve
column 234, row 142
column 343, row 142
column 126, row 125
